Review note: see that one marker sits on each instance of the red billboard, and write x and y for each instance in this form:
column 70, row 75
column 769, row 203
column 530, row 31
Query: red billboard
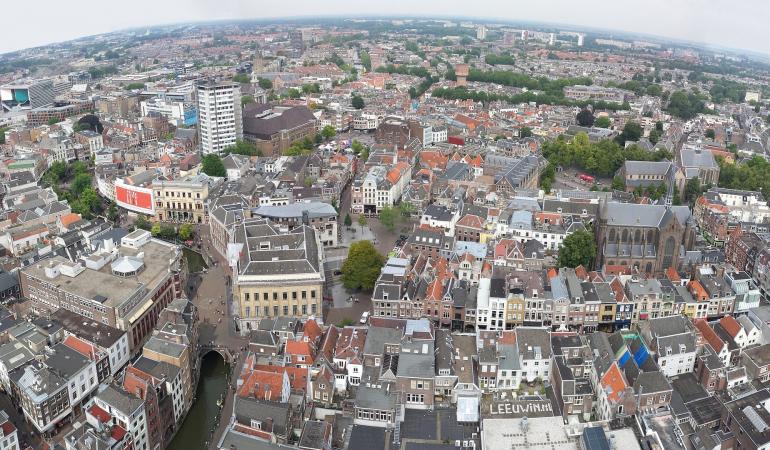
column 134, row 198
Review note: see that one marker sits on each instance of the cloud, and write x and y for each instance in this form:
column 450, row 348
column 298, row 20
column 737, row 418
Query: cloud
column 716, row 22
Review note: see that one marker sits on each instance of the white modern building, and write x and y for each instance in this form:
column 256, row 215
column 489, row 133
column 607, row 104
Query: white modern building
column 220, row 119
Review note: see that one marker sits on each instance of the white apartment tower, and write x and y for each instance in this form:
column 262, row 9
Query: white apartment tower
column 220, row 120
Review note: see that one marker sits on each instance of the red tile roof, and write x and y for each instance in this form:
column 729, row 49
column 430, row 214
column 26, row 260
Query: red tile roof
column 730, row 325
column 84, row 348
column 297, row 375
column 471, row 221
column 312, row 331
column 613, row 382
column 709, row 335
column 263, row 385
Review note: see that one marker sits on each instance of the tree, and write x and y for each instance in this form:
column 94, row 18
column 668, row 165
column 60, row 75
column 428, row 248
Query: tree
column 525, row 132
column 89, row 122
column 406, row 209
column 388, row 217
column 357, row 147
column 155, row 230
column 585, row 118
column 654, row 136
column 212, row 166
column 186, row 231
column 577, row 249
column 602, row 122
column 618, row 184
column 81, row 182
column 264, row 83
column 328, row 132
column 362, row 266
column 246, row 99
column 710, row 133
column 293, row 93
column 112, row 213
column 243, row 148
column 357, row 102
column 348, row 220
column 242, row 78
column 632, row 131
column 362, row 221
column 142, row 223
column 134, row 86
column 692, row 190
column 685, row 105
column 53, row 121
column 366, row 60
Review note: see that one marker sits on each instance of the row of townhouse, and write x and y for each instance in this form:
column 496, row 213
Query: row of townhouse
column 497, row 287
column 143, row 408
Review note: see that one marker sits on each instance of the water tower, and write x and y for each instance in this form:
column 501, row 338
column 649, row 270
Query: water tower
column 461, row 70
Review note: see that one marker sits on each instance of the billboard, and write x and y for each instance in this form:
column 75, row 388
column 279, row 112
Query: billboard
column 134, row 198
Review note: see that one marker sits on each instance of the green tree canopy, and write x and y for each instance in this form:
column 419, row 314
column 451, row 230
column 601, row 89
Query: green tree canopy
column 242, row 78
column 602, row 122
column 328, row 132
column 357, row 102
column 366, row 60
column 243, row 148
column 585, row 118
column 348, row 220
column 685, row 105
column 577, row 249
column 186, row 231
column 79, row 184
column 388, row 217
column 525, row 132
column 710, row 133
column 212, row 166
column 142, row 223
column 601, row 158
column 362, row 220
column 632, row 131
column 362, row 266
column 246, row 99
column 264, row 83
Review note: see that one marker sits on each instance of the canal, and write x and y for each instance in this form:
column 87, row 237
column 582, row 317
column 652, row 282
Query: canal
column 200, row 423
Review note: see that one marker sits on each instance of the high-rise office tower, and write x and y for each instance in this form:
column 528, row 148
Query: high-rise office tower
column 220, row 119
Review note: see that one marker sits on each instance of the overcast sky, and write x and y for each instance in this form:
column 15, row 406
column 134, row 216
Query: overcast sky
column 738, row 24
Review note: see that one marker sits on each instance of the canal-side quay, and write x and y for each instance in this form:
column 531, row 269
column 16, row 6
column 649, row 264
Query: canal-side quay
column 221, row 353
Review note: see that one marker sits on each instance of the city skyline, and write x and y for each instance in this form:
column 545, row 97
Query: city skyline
column 709, row 22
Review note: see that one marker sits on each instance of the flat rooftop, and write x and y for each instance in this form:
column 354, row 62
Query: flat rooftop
column 100, row 334
column 541, row 433
column 108, row 289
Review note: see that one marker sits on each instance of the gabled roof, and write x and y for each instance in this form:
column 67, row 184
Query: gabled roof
column 730, row 325
column 709, row 335
column 471, row 221
column 613, row 382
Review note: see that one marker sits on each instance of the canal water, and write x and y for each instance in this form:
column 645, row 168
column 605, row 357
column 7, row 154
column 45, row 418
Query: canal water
column 200, row 423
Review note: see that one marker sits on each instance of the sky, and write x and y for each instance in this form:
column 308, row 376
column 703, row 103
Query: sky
column 738, row 24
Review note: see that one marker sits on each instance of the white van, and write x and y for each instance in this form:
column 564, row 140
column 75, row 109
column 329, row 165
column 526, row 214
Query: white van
column 364, row 317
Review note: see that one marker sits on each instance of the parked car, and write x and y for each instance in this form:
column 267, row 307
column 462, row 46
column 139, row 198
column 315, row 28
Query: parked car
column 364, row 317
